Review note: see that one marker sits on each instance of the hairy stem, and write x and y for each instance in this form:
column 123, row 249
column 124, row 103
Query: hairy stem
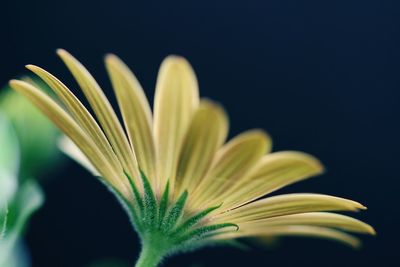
column 150, row 256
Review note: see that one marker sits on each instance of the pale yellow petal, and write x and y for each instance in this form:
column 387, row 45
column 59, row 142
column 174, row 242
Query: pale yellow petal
column 207, row 132
column 322, row 219
column 136, row 113
column 288, row 204
column 230, row 164
column 296, row 230
column 273, row 172
column 175, row 101
column 80, row 113
column 104, row 113
column 67, row 125
column 69, row 148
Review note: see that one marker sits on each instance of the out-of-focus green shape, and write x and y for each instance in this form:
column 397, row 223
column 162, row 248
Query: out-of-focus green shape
column 27, row 146
column 19, row 257
column 27, row 200
column 36, row 134
column 3, row 219
column 9, row 160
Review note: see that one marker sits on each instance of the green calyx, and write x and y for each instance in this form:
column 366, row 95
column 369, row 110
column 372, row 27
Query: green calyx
column 162, row 226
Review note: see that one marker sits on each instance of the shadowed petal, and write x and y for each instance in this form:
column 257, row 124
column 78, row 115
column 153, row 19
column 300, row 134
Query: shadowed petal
column 323, row 219
column 207, row 132
column 175, row 101
column 136, row 113
column 272, row 172
column 80, row 113
column 288, row 204
column 296, row 230
column 66, row 124
column 230, row 164
column 104, row 113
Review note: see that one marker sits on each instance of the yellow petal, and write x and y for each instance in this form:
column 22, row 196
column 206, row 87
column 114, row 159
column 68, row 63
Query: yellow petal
column 288, row 204
column 273, row 172
column 175, row 101
column 80, row 113
column 296, row 230
column 322, row 219
column 67, row 125
column 104, row 112
column 207, row 132
column 230, row 164
column 136, row 113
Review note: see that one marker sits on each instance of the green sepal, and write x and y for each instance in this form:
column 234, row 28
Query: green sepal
column 186, row 225
column 150, row 202
column 175, row 213
column 136, row 194
column 204, row 232
column 163, row 204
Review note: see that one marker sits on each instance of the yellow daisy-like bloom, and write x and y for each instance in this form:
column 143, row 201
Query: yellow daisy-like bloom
column 181, row 183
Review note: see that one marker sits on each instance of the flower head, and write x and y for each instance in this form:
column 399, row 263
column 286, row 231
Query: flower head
column 180, row 181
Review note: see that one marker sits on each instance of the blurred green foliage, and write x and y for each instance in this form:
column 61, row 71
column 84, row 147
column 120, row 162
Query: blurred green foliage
column 37, row 135
column 27, row 200
column 9, row 160
column 27, row 146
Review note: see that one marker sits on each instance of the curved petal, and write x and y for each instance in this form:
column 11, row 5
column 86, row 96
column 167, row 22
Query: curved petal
column 273, row 172
column 296, row 230
column 286, row 205
column 80, row 113
column 207, row 132
column 230, row 164
column 104, row 113
column 322, row 219
column 136, row 113
column 175, row 101
column 67, row 125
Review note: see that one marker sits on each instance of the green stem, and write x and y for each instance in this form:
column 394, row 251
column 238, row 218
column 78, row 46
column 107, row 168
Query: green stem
column 150, row 256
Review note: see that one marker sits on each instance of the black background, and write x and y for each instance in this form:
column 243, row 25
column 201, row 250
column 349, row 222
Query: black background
column 319, row 76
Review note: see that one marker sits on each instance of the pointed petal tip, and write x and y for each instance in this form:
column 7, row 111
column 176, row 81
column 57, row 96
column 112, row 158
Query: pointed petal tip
column 61, row 51
column 64, row 54
column 308, row 159
column 361, row 206
column 14, row 83
column 214, row 105
column 371, row 230
column 110, row 58
column 175, row 60
column 32, row 67
column 262, row 132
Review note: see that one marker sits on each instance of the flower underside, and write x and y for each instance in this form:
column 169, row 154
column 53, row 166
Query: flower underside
column 161, row 222
column 181, row 182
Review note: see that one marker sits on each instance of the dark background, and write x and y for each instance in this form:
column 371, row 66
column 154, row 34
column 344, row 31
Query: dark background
column 319, row 76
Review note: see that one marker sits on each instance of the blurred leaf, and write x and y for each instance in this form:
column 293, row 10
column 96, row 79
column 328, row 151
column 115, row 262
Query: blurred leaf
column 27, row 200
column 36, row 134
column 17, row 258
column 9, row 161
column 3, row 219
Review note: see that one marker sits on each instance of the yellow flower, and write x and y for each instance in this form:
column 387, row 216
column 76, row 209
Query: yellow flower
column 173, row 170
